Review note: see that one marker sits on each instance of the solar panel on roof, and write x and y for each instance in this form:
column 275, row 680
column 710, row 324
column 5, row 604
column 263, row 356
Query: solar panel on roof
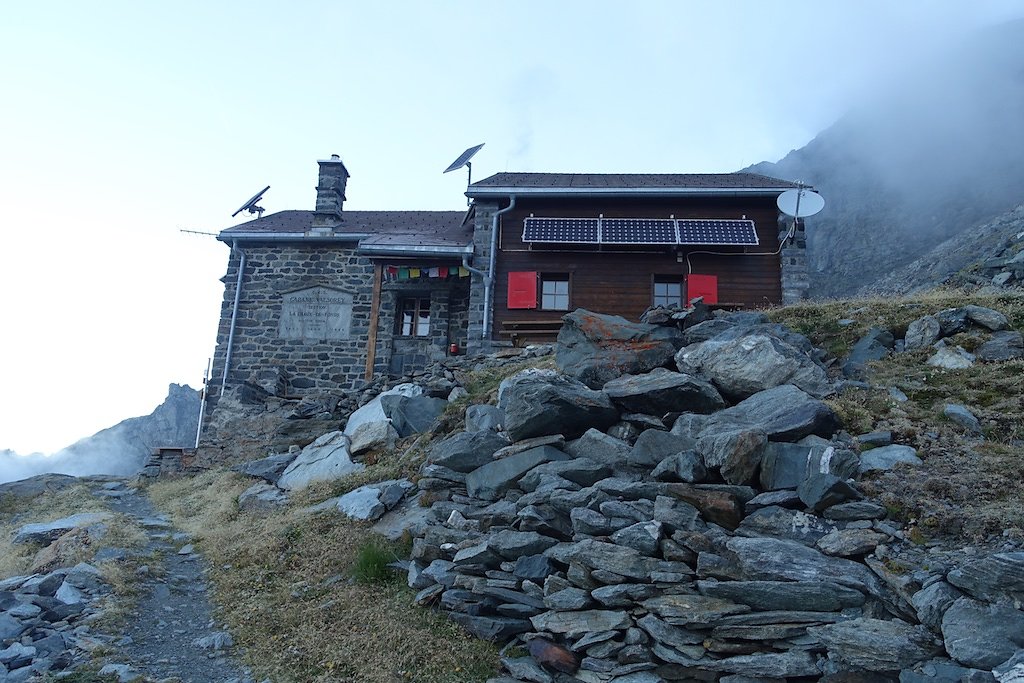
column 560, row 230
column 716, row 231
column 638, row 231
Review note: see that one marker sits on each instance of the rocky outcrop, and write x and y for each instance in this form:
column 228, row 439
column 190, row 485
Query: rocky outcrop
column 735, row 545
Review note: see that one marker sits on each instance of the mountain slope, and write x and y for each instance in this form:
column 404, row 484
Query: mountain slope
column 934, row 155
column 121, row 449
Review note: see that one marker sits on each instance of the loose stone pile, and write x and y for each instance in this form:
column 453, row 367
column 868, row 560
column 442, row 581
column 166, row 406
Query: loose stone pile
column 633, row 523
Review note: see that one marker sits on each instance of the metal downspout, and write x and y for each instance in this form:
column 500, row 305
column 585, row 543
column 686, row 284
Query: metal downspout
column 234, row 314
column 489, row 278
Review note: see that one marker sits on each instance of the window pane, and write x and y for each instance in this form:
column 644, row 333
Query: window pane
column 423, row 323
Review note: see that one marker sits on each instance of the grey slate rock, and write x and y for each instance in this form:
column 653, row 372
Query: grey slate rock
column 642, row 537
column 525, row 669
column 600, row 447
column 922, row 333
column 768, row 559
column 876, row 645
column 778, row 522
column 962, row 416
column 816, row 596
column 653, row 446
column 582, row 471
column 539, row 406
column 47, row 532
column 262, row 497
column 785, row 498
column 856, row 510
column 466, row 451
column 888, row 457
column 491, row 481
column 743, row 366
column 784, row 413
column 786, row 465
column 574, row 624
column 820, row 491
column 880, row 438
column 1012, row 670
column 851, row 542
column 986, row 317
column 481, row 417
column 952, row 320
column 269, row 469
column 609, row 557
column 495, row 628
column 597, row 348
column 1002, row 346
column 533, row 567
column 874, row 345
column 735, row 453
column 412, row 414
column 512, row 544
column 993, row 577
column 662, row 391
column 688, row 609
column 981, row 635
column 686, row 466
column 932, row 601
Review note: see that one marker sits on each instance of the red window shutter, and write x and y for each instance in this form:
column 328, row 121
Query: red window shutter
column 702, row 285
column 522, row 289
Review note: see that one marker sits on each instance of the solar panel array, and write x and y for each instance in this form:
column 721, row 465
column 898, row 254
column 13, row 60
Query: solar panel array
column 561, row 230
column 722, row 232
column 638, row 231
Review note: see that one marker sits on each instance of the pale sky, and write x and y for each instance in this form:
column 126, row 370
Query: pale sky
column 122, row 123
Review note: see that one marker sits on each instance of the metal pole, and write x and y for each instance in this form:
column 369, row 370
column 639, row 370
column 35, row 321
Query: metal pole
column 202, row 402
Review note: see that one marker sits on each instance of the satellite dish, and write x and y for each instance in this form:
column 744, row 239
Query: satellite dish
column 800, row 203
column 250, row 205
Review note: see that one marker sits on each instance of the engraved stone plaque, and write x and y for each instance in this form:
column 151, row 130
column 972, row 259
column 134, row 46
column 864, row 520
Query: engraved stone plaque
column 316, row 314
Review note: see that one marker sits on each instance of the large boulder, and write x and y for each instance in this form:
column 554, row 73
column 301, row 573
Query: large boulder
column 46, row 532
column 756, row 362
column 595, row 348
column 663, row 391
column 326, row 459
column 538, row 405
column 787, row 465
column 784, row 413
column 492, row 480
column 412, row 414
column 1005, row 345
column 375, row 411
column 269, row 468
column 874, row 345
column 875, row 645
column 922, row 333
column 466, row 451
column 993, row 577
column 981, row 635
column 735, row 453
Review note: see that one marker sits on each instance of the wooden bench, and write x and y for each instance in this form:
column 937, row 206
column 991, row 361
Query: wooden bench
column 521, row 331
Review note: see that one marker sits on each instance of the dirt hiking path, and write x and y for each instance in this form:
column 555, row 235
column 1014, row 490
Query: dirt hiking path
column 171, row 633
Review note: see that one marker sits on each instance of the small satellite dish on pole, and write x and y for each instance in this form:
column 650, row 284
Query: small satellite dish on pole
column 463, row 160
column 250, row 205
column 800, row 203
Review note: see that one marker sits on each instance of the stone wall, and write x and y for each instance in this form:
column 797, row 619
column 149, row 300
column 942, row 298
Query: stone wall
column 261, row 353
column 312, row 354
column 796, row 282
column 481, row 252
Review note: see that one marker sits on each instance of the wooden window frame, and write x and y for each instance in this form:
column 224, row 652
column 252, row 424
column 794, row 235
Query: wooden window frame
column 420, row 304
column 671, row 279
column 555, row 278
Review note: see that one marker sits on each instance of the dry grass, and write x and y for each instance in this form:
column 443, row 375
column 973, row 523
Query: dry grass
column 16, row 559
column 284, row 585
column 967, row 488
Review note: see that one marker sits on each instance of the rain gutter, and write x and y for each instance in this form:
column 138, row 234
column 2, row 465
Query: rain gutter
column 492, row 258
column 234, row 314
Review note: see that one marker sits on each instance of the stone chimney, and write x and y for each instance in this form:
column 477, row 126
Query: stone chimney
column 330, row 192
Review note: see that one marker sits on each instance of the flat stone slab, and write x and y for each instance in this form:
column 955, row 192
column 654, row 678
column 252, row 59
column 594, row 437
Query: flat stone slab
column 46, row 532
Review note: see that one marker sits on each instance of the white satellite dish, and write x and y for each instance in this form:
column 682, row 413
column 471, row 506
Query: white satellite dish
column 800, row 203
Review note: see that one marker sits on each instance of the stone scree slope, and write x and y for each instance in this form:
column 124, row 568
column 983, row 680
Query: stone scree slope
column 695, row 522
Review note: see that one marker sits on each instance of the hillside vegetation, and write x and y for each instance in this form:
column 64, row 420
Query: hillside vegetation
column 309, row 598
